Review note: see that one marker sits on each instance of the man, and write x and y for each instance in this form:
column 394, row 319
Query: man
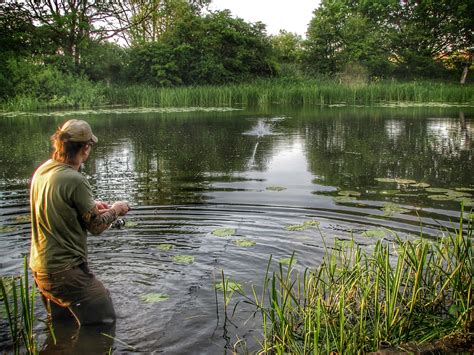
column 62, row 211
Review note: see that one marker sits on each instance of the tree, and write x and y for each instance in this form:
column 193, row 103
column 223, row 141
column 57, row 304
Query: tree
column 340, row 34
column 288, row 46
column 152, row 18
column 410, row 35
column 214, row 49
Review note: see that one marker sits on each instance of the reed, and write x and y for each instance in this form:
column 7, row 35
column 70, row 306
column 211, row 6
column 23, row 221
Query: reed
column 19, row 304
column 357, row 301
column 261, row 93
column 301, row 93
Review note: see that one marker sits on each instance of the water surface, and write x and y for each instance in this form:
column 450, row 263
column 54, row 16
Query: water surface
column 191, row 172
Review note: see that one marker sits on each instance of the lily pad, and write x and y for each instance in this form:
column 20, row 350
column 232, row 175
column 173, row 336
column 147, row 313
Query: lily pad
column 344, row 199
column 183, row 259
column 229, row 286
column 388, row 180
column 465, row 189
column 391, row 208
column 8, row 229
column 374, row 233
column 303, row 226
column 467, row 202
column 276, row 188
column 244, row 243
column 286, row 261
column 131, row 224
column 389, row 192
column 422, row 185
column 165, row 246
column 457, row 194
column 437, row 190
column 440, row 197
column 405, row 181
column 24, row 218
column 154, row 297
column 344, row 243
column 349, row 193
column 224, row 232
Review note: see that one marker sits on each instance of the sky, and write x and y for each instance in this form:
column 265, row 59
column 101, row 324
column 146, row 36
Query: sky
column 289, row 15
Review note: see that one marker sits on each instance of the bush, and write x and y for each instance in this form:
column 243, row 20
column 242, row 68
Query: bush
column 31, row 83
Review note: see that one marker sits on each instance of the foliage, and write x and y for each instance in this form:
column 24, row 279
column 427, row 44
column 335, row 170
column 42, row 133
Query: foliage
column 410, row 291
column 151, row 19
column 288, row 46
column 47, row 86
column 407, row 39
column 18, row 300
column 103, row 61
column 214, row 49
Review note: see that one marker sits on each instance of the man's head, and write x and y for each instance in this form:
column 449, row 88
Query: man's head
column 78, row 131
column 72, row 142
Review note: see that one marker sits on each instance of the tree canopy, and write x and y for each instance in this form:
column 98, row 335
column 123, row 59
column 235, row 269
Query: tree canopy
column 182, row 42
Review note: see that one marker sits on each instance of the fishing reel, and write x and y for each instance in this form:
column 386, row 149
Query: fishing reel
column 119, row 223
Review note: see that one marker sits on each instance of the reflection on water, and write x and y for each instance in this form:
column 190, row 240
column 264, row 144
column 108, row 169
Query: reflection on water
column 187, row 174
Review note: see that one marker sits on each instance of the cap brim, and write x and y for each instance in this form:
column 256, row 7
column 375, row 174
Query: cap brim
column 94, row 139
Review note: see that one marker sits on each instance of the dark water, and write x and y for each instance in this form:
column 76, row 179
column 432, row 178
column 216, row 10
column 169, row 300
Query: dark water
column 189, row 173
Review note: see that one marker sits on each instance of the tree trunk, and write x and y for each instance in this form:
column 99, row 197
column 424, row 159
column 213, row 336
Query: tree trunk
column 466, row 69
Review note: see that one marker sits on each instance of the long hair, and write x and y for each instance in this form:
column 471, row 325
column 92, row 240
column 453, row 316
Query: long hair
column 65, row 151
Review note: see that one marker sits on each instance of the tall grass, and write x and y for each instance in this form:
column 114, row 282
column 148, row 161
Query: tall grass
column 19, row 305
column 260, row 93
column 301, row 93
column 359, row 301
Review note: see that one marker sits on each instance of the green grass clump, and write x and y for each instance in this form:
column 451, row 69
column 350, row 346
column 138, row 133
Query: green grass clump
column 262, row 93
column 18, row 300
column 301, row 93
column 357, row 301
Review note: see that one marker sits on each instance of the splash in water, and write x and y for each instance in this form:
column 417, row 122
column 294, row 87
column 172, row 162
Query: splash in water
column 261, row 129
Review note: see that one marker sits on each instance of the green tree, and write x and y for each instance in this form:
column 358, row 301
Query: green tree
column 411, row 37
column 151, row 19
column 340, row 34
column 288, row 46
column 214, row 49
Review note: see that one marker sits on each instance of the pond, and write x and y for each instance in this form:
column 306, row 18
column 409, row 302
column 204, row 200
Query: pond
column 224, row 189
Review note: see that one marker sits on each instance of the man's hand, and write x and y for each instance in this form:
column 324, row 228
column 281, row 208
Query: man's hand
column 121, row 208
column 101, row 205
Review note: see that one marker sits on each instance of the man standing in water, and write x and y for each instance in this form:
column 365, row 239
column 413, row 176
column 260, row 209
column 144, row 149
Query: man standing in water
column 62, row 211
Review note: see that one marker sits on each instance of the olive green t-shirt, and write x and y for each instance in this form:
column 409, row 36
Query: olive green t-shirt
column 59, row 196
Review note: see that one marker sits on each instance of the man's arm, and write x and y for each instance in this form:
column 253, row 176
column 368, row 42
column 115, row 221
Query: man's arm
column 97, row 221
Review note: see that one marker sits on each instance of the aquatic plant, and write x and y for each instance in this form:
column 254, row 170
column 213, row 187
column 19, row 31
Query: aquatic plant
column 244, row 242
column 131, row 224
column 19, row 305
column 227, row 287
column 390, row 209
column 374, row 233
column 165, row 246
column 344, row 199
column 303, row 226
column 291, row 261
column 223, row 232
column 276, row 188
column 25, row 218
column 349, row 193
column 402, row 292
column 8, row 228
column 183, row 259
column 154, row 297
column 258, row 93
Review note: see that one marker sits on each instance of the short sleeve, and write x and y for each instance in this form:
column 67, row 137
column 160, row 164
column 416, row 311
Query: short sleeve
column 83, row 198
